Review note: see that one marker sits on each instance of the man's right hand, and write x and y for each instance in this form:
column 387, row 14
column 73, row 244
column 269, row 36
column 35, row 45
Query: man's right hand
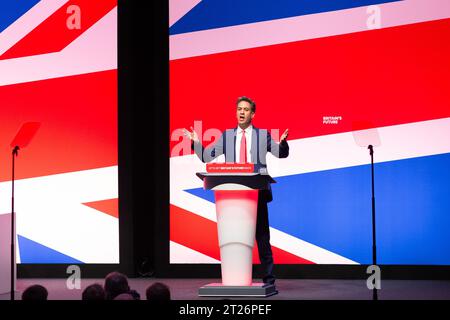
column 191, row 135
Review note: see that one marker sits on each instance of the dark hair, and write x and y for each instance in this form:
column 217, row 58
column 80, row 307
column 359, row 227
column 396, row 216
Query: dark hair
column 247, row 99
column 35, row 293
column 158, row 291
column 93, row 292
column 115, row 284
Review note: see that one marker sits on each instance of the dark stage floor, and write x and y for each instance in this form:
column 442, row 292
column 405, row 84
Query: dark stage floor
column 289, row 289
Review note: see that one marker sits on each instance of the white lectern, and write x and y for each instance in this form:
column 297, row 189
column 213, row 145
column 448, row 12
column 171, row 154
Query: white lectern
column 236, row 197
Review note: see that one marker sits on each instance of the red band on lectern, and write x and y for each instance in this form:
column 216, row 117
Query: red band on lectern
column 229, row 167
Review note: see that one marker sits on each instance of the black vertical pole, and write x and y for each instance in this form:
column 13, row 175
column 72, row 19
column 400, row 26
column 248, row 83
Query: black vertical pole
column 374, row 247
column 14, row 154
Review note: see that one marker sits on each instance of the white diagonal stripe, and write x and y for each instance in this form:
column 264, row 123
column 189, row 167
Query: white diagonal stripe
column 50, row 211
column 182, row 254
column 178, row 8
column 95, row 50
column 340, row 150
column 305, row 27
column 27, row 22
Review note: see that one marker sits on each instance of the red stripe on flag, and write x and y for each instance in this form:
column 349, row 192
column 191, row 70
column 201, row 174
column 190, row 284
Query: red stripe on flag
column 193, row 231
column 53, row 35
column 109, row 206
column 282, row 257
column 200, row 234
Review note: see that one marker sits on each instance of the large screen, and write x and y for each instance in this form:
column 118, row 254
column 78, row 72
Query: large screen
column 336, row 74
column 58, row 67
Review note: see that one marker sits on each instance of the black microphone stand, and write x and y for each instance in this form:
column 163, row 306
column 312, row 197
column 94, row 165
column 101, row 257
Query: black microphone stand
column 15, row 152
column 374, row 246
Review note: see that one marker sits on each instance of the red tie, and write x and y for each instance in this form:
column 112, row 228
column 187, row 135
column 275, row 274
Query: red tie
column 243, row 151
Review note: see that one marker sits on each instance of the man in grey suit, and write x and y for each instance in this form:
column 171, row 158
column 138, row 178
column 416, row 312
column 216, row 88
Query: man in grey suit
column 247, row 144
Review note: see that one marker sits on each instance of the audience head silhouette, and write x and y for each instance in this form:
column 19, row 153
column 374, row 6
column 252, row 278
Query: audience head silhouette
column 115, row 288
column 93, row 292
column 115, row 283
column 35, row 293
column 158, row 292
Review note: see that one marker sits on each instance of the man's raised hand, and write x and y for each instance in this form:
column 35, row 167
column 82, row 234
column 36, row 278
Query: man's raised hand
column 191, row 134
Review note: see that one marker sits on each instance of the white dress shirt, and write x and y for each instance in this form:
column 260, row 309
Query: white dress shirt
column 248, row 138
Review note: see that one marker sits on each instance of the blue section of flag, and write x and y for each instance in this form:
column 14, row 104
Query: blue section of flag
column 11, row 10
column 332, row 209
column 201, row 193
column 33, row 252
column 210, row 14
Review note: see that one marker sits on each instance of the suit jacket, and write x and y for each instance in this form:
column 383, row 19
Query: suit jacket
column 262, row 143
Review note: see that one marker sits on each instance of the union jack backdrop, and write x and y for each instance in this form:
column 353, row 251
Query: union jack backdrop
column 333, row 72
column 58, row 66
